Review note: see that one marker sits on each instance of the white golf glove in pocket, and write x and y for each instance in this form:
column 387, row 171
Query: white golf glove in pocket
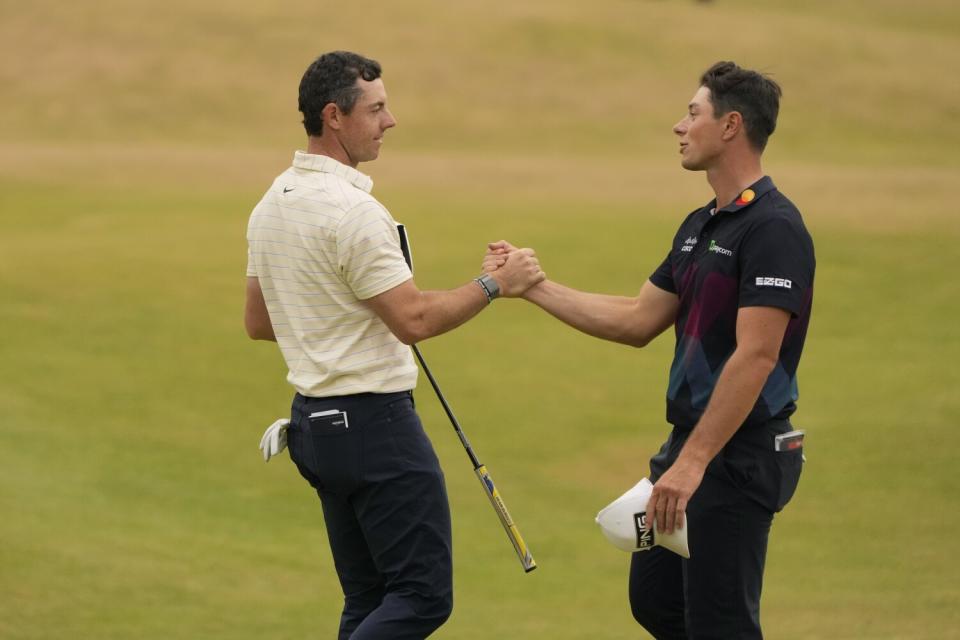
column 274, row 439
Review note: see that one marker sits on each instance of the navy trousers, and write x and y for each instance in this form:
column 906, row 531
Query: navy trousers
column 385, row 508
column 716, row 593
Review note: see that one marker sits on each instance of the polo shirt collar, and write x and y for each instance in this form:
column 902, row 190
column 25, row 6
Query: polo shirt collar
column 326, row 164
column 749, row 195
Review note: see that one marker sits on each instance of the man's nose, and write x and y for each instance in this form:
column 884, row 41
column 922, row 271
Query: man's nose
column 390, row 121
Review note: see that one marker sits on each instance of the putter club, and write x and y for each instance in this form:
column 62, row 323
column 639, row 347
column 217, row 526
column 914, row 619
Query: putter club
column 523, row 553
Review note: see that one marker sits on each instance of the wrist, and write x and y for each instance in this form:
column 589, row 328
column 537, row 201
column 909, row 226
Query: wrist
column 489, row 286
column 537, row 292
column 693, row 458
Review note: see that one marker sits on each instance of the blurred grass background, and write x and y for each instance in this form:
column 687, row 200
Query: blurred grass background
column 135, row 138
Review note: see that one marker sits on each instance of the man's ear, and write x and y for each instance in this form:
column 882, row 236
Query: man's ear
column 331, row 116
column 732, row 125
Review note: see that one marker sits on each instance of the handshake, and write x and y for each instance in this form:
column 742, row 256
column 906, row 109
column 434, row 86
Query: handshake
column 515, row 270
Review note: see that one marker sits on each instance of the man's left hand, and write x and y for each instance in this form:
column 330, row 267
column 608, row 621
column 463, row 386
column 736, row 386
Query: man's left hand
column 671, row 494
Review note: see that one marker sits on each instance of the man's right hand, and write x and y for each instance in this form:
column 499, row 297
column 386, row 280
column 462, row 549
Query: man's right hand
column 496, row 255
column 515, row 270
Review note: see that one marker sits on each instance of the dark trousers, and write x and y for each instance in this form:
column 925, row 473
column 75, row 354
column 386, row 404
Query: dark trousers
column 716, row 593
column 385, row 508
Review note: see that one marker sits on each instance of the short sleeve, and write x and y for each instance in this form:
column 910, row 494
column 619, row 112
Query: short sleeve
column 251, row 267
column 368, row 248
column 663, row 276
column 776, row 264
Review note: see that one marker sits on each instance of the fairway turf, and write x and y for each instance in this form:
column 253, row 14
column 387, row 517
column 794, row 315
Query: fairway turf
column 132, row 150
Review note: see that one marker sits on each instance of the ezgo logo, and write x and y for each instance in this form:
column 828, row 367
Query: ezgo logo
column 765, row 281
column 718, row 249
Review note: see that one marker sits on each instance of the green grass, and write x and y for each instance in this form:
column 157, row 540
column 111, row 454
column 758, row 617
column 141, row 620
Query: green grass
column 134, row 145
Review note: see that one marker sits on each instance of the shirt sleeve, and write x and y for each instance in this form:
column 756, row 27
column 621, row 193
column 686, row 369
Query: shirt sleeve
column 777, row 265
column 663, row 276
column 251, row 267
column 368, row 251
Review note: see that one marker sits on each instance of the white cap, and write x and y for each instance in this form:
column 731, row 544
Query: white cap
column 624, row 523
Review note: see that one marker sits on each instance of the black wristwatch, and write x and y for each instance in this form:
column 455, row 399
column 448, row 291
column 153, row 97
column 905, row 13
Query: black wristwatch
column 489, row 286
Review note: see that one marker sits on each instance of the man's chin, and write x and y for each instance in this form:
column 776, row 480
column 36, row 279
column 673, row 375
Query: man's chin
column 370, row 157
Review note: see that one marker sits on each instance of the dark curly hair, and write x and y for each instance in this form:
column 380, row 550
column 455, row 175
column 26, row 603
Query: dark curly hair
column 332, row 78
column 754, row 95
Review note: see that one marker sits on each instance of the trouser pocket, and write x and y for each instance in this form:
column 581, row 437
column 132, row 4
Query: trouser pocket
column 789, row 467
column 750, row 462
column 327, row 449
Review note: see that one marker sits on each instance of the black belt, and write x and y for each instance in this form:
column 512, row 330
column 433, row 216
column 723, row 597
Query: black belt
column 353, row 396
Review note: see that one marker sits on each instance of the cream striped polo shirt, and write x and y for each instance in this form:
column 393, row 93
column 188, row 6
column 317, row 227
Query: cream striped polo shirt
column 320, row 245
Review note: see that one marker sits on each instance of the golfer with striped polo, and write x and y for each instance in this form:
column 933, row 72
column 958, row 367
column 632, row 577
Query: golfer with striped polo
column 327, row 280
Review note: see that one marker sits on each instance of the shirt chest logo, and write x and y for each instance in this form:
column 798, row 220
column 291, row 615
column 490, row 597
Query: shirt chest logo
column 715, row 248
column 688, row 245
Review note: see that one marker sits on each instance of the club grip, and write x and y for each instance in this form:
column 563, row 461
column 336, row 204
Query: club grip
column 523, row 552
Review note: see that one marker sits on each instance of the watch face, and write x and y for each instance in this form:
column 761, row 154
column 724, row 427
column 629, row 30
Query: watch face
column 491, row 283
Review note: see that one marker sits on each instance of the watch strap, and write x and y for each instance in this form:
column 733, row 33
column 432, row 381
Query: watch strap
column 489, row 286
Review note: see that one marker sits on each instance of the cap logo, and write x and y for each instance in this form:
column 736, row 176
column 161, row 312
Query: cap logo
column 645, row 539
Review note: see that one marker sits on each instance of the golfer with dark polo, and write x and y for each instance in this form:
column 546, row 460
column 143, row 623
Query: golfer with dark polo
column 737, row 286
column 327, row 280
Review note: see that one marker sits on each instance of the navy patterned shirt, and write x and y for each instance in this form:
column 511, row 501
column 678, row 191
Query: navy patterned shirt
column 754, row 252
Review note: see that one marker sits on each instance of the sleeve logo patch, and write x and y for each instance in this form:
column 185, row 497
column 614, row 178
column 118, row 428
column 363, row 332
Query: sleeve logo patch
column 782, row 283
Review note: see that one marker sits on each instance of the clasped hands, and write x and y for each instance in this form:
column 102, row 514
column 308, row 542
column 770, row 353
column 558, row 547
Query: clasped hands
column 516, row 270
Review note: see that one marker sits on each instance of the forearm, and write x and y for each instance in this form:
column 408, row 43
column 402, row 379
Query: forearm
column 432, row 313
column 732, row 400
column 759, row 335
column 446, row 310
column 603, row 316
column 413, row 315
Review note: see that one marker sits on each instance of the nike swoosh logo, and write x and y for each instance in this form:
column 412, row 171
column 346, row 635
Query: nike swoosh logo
column 288, row 189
